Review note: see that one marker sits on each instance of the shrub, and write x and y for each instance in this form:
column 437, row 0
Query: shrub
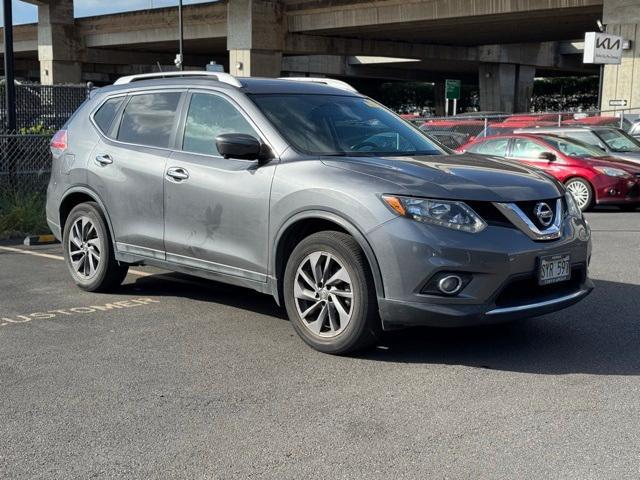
column 22, row 213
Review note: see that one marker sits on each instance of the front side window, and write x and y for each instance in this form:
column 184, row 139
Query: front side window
column 497, row 147
column 149, row 119
column 106, row 113
column 523, row 148
column 619, row 141
column 208, row 117
column 342, row 125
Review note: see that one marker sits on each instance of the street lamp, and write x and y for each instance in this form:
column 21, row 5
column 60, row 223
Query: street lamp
column 9, row 88
column 179, row 61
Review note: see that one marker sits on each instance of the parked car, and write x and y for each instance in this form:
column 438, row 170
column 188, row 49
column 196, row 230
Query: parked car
column 308, row 191
column 507, row 128
column 592, row 176
column 451, row 140
column 613, row 141
column 634, row 127
column 598, row 120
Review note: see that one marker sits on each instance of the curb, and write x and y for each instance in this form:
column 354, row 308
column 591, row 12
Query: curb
column 39, row 240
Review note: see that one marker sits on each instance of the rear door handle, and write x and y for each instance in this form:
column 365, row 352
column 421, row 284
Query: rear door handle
column 104, row 160
column 177, row 173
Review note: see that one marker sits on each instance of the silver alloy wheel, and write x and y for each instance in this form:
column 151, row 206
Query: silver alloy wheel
column 580, row 193
column 323, row 294
column 84, row 247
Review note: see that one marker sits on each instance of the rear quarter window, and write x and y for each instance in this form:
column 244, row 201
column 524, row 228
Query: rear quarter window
column 106, row 113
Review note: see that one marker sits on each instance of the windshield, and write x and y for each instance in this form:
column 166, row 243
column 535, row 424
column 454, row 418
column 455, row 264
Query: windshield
column 342, row 125
column 619, row 141
column 573, row 148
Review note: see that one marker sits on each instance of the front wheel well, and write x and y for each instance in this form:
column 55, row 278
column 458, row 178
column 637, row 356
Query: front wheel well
column 292, row 236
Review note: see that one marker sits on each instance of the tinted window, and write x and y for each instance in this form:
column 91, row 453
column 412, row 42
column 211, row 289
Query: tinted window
column 208, row 117
column 107, row 112
column 497, row 147
column 586, row 137
column 523, row 148
column 573, row 148
column 342, row 125
column 148, row 119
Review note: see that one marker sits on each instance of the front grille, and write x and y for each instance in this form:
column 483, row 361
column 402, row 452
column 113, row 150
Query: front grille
column 490, row 214
column 634, row 191
column 528, row 208
column 524, row 290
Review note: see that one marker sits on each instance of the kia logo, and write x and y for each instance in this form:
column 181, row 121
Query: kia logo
column 543, row 213
column 607, row 43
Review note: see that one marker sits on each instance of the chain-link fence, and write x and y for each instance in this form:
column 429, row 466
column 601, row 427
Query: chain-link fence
column 454, row 131
column 24, row 153
column 25, row 161
column 43, row 107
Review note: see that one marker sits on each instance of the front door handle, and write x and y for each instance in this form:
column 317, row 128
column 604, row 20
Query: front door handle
column 177, row 173
column 104, row 160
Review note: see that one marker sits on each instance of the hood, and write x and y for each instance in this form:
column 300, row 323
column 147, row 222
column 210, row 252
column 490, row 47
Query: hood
column 633, row 157
column 457, row 177
column 617, row 161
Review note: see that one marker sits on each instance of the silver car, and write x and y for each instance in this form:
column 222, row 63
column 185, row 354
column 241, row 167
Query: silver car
column 310, row 192
column 611, row 140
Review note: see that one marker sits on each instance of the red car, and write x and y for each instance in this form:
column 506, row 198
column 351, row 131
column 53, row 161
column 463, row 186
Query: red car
column 588, row 173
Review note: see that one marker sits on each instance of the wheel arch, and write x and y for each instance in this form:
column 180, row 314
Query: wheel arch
column 77, row 195
column 306, row 223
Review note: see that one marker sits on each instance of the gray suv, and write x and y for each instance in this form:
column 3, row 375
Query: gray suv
column 308, row 191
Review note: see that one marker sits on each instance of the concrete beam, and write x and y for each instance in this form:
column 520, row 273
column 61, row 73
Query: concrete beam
column 318, row 15
column 316, row 44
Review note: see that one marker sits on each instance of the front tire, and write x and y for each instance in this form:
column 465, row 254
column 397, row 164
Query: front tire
column 329, row 294
column 88, row 250
column 582, row 192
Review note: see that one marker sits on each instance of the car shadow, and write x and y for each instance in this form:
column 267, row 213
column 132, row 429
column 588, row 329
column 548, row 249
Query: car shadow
column 600, row 335
column 186, row 286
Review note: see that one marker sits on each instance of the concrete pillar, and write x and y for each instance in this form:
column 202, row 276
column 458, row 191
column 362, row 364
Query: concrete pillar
column 505, row 87
column 255, row 37
column 622, row 17
column 59, row 49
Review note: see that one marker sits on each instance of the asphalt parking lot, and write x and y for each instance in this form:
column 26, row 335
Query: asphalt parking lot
column 173, row 376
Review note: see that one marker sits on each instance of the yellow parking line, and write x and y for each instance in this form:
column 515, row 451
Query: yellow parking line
column 58, row 257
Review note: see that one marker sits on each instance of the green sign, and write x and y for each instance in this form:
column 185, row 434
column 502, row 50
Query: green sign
column 452, row 89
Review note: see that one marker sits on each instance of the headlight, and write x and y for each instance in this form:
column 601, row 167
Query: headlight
column 572, row 207
column 445, row 213
column 612, row 172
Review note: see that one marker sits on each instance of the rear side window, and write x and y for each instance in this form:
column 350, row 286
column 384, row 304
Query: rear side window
column 148, row 119
column 106, row 113
column 496, row 147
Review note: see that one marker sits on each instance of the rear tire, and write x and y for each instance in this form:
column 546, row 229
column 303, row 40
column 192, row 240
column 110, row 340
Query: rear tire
column 330, row 295
column 88, row 250
column 582, row 192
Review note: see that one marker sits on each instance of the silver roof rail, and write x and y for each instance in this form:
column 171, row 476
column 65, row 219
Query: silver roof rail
column 330, row 82
column 220, row 76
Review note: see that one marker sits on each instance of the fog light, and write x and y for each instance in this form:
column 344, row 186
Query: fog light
column 613, row 192
column 450, row 284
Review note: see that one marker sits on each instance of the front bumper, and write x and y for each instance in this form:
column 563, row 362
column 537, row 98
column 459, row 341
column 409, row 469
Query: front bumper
column 502, row 261
column 617, row 191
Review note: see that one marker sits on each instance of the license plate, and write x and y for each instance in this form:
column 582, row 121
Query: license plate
column 554, row 269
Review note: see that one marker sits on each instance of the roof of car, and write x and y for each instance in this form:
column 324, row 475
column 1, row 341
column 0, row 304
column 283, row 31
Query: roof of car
column 250, row 85
column 572, row 128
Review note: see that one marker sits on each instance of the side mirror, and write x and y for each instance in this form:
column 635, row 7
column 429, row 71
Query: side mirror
column 241, row 146
column 548, row 156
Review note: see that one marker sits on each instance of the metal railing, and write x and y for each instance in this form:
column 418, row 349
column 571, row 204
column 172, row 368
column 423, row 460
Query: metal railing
column 456, row 130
